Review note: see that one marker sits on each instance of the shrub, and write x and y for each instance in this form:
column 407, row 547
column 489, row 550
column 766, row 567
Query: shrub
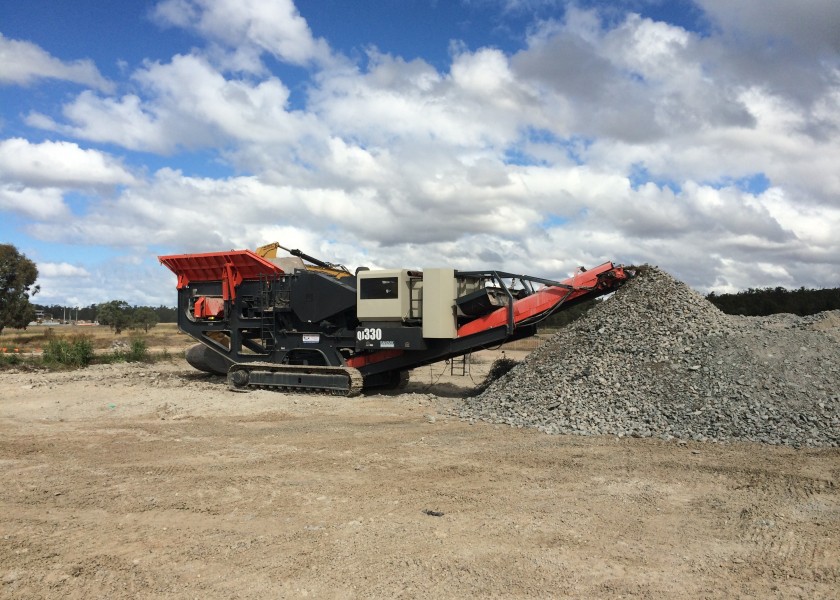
column 77, row 352
column 138, row 350
column 10, row 359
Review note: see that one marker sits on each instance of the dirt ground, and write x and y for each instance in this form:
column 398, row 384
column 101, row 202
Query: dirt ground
column 155, row 481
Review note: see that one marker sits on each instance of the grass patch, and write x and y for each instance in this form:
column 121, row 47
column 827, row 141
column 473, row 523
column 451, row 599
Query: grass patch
column 35, row 338
column 10, row 360
column 137, row 351
column 75, row 352
column 69, row 347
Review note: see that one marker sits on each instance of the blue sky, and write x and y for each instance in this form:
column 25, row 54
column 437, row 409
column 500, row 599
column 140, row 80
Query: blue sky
column 538, row 135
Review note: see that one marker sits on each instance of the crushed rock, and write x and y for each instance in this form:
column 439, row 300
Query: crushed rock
column 658, row 360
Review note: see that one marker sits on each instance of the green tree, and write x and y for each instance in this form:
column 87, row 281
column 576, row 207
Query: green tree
column 17, row 284
column 117, row 314
column 145, row 318
column 167, row 314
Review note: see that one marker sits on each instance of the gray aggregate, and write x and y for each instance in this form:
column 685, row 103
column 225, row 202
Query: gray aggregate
column 658, row 360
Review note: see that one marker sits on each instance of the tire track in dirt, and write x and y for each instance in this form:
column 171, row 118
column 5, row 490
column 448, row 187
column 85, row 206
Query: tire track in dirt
column 785, row 520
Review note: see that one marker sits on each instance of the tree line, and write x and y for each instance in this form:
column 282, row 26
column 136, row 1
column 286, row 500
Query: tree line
column 768, row 301
column 58, row 312
column 117, row 314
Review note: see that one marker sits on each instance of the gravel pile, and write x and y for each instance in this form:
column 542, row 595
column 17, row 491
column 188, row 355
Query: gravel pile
column 659, row 360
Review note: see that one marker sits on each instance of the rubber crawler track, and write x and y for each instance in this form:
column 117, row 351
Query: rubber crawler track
column 355, row 381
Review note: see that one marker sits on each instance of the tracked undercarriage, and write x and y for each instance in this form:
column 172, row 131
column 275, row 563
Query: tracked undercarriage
column 337, row 381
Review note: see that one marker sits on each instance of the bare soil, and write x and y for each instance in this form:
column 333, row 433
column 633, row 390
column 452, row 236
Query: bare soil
column 155, row 481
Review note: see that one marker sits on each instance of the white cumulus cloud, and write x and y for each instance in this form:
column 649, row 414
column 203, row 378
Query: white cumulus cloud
column 273, row 26
column 55, row 164
column 44, row 204
column 23, row 63
column 62, row 269
column 186, row 103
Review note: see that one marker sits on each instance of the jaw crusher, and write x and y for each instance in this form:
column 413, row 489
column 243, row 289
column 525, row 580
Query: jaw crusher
column 299, row 323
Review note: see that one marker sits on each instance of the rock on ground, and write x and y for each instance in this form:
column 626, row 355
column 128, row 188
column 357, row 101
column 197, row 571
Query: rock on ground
column 658, row 360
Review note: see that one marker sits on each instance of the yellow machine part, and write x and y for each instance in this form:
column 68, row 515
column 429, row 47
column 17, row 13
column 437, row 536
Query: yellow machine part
column 270, row 251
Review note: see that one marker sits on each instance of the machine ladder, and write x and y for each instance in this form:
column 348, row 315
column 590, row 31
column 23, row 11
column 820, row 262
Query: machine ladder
column 268, row 322
column 459, row 365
